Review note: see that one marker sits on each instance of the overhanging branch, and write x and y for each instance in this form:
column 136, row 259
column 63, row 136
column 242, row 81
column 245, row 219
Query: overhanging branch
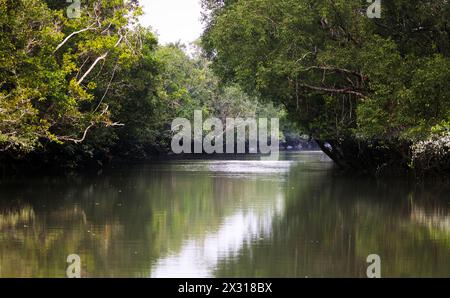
column 333, row 90
column 102, row 57
column 91, row 27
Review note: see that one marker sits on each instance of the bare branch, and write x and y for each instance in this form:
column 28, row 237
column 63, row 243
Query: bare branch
column 304, row 57
column 84, row 63
column 77, row 141
column 102, row 57
column 332, row 90
column 91, row 27
column 107, row 88
column 113, row 124
column 119, row 41
column 86, row 131
column 337, row 69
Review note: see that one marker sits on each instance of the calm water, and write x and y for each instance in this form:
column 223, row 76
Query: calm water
column 290, row 218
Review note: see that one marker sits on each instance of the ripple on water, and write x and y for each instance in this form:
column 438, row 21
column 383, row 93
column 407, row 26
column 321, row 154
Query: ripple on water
column 238, row 167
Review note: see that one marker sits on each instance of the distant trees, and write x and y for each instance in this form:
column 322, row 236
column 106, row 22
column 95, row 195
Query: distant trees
column 370, row 88
column 189, row 84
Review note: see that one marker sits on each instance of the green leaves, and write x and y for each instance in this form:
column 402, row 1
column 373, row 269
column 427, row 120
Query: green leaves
column 44, row 54
column 339, row 73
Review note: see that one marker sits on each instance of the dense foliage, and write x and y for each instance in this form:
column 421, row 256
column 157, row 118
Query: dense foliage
column 57, row 73
column 366, row 89
column 372, row 92
column 98, row 86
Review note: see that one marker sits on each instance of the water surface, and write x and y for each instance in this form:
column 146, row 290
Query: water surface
column 290, row 218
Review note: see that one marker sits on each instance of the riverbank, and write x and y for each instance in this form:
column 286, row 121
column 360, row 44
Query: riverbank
column 376, row 158
column 54, row 164
column 41, row 167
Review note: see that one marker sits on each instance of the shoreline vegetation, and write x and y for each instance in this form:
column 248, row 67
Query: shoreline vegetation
column 99, row 89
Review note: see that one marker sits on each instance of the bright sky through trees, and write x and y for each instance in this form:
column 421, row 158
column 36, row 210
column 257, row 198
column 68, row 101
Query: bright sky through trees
column 173, row 20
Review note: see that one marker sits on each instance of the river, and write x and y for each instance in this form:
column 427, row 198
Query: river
column 296, row 217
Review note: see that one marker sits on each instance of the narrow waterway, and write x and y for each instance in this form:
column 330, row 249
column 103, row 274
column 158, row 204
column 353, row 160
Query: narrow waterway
column 239, row 218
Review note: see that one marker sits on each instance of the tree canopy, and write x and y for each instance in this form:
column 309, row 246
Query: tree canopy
column 98, row 85
column 372, row 92
column 368, row 87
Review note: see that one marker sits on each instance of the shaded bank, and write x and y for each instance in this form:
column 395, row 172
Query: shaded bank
column 381, row 158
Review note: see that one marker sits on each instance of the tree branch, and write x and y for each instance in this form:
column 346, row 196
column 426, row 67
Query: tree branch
column 332, row 90
column 77, row 141
column 337, row 69
column 91, row 27
column 102, row 57
column 107, row 88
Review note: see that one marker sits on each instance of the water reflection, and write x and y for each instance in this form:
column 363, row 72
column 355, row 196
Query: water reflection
column 200, row 257
column 292, row 218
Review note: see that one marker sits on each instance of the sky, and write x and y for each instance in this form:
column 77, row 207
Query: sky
column 173, row 20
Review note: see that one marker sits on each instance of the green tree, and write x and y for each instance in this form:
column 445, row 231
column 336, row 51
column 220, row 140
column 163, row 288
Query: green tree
column 52, row 67
column 370, row 88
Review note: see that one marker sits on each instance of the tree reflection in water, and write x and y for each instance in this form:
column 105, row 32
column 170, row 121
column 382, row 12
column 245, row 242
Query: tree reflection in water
column 293, row 218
